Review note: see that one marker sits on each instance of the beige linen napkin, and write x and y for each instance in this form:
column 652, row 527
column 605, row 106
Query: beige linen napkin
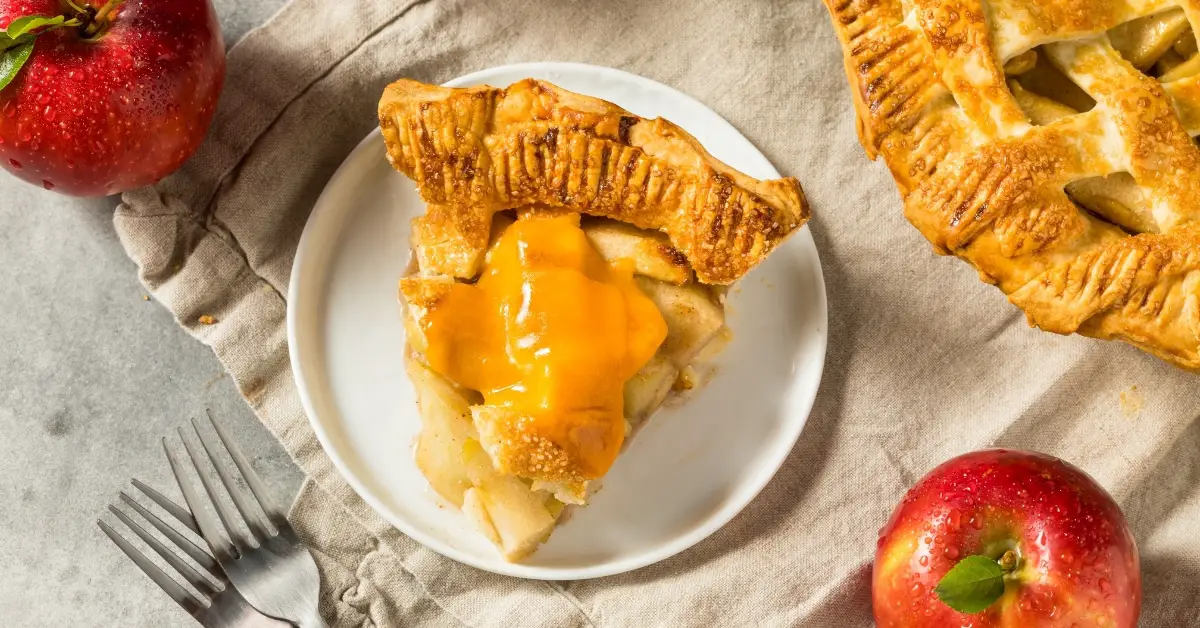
column 925, row 361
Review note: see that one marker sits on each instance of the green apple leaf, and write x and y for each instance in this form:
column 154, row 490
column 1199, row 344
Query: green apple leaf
column 972, row 585
column 23, row 25
column 20, row 30
column 16, row 42
column 7, row 42
column 11, row 61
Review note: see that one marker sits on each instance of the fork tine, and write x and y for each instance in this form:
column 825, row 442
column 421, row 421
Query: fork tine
column 189, row 574
column 179, row 512
column 253, row 521
column 256, row 484
column 223, row 512
column 178, row 539
column 165, row 582
column 208, row 527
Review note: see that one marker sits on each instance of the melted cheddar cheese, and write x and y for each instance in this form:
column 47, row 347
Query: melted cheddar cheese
column 551, row 331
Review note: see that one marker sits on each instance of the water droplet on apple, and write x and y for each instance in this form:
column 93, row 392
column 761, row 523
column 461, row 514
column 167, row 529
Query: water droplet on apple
column 24, row 135
column 15, row 164
column 924, row 561
column 10, row 109
column 71, row 164
column 955, row 519
column 47, row 184
column 951, row 553
column 48, row 115
column 917, row 589
column 71, row 74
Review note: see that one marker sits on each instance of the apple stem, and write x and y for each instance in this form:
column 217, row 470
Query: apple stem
column 75, row 7
column 1008, row 561
column 100, row 20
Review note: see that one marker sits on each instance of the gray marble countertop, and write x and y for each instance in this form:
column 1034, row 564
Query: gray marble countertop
column 93, row 376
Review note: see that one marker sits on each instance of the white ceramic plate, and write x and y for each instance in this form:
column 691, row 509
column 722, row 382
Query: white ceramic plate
column 687, row 473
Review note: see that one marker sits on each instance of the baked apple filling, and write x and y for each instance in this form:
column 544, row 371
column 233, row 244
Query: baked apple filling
column 1162, row 46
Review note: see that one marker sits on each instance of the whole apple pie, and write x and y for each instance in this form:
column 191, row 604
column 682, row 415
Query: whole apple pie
column 1048, row 143
column 569, row 276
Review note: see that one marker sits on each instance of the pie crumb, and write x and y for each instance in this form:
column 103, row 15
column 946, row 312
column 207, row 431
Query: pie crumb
column 686, row 380
column 1131, row 401
column 206, row 319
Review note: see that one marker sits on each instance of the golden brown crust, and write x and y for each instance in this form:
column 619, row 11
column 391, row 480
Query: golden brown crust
column 476, row 151
column 991, row 187
column 517, row 446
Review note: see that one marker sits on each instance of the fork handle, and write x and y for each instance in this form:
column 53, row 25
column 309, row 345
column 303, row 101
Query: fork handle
column 313, row 621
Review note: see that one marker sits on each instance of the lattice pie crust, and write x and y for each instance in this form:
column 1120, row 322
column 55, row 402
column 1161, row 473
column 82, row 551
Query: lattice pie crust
column 1050, row 145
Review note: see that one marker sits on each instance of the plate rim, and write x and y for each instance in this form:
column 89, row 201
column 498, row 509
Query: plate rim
column 676, row 545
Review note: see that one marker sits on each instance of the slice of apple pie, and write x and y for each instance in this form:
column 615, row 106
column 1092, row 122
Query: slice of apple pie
column 570, row 272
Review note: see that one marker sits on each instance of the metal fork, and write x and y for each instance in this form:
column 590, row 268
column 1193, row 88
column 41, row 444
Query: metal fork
column 275, row 572
column 226, row 608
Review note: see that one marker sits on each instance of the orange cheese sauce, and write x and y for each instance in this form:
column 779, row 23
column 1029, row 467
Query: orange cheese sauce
column 553, row 331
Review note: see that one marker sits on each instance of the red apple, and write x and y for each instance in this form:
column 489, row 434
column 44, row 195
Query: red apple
column 117, row 99
column 1058, row 545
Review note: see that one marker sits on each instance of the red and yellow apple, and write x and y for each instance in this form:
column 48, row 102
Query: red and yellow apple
column 1061, row 551
column 115, row 95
